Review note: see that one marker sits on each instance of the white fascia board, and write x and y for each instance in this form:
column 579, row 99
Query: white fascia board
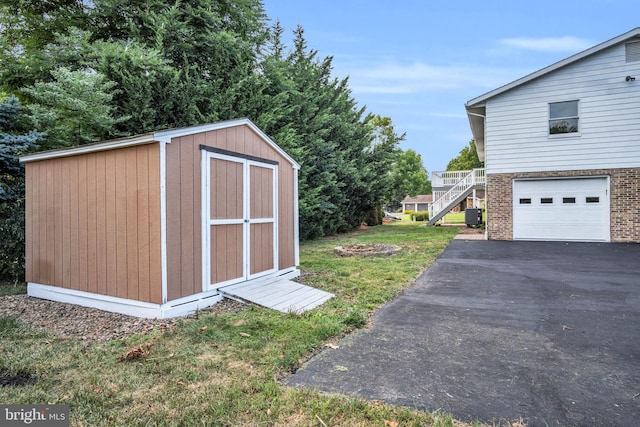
column 90, row 148
column 160, row 136
column 271, row 142
column 167, row 135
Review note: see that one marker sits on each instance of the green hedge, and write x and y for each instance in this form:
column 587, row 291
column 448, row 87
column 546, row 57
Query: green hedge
column 419, row 216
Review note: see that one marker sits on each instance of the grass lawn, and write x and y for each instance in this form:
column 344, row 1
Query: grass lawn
column 458, row 217
column 11, row 288
column 223, row 370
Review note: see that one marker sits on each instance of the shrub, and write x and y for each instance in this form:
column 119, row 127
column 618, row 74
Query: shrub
column 420, row 216
column 14, row 140
column 12, row 242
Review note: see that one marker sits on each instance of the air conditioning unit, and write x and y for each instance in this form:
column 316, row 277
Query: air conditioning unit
column 473, row 217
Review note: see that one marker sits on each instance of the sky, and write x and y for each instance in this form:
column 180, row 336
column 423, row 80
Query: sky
column 419, row 61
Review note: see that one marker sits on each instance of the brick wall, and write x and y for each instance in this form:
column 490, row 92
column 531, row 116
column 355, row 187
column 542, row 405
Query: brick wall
column 500, row 206
column 625, row 201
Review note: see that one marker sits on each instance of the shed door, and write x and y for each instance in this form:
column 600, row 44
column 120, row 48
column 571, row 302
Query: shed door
column 561, row 209
column 241, row 231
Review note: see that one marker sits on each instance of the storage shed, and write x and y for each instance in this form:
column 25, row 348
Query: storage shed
column 155, row 225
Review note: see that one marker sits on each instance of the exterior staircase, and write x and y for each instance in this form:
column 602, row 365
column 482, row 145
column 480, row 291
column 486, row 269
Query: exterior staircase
column 455, row 187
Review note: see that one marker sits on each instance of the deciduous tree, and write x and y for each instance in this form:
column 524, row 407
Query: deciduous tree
column 466, row 160
column 409, row 176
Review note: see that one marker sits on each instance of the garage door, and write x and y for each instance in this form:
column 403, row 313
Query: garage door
column 561, row 209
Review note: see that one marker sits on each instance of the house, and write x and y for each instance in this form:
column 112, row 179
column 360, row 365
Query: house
column 456, row 191
column 561, row 148
column 164, row 223
column 443, row 181
column 417, row 204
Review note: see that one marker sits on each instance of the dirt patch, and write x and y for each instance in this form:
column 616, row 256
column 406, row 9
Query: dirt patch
column 367, row 249
column 8, row 379
column 91, row 324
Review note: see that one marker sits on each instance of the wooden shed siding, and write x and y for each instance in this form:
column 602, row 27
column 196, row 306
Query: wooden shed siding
column 226, row 253
column 261, row 248
column 609, row 113
column 184, row 233
column 286, row 219
column 93, row 223
column 261, row 205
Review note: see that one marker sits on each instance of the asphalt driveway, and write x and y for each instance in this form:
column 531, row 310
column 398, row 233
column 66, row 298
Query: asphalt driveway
column 495, row 331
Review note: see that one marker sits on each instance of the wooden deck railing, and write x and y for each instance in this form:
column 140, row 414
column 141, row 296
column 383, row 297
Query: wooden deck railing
column 468, row 181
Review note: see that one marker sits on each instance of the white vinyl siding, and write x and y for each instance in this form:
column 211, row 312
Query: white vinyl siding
column 517, row 131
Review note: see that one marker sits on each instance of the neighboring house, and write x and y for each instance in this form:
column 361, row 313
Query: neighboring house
column 443, row 181
column 455, row 191
column 418, row 203
column 561, row 148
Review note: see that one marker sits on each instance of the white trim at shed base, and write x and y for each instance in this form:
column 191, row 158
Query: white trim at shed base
column 130, row 307
column 175, row 308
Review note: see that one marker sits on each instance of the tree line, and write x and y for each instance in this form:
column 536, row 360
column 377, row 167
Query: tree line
column 79, row 71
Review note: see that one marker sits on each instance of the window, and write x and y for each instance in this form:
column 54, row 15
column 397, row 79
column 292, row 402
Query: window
column 525, row 201
column 563, row 117
column 632, row 51
column 546, row 200
column 593, row 200
column 568, row 200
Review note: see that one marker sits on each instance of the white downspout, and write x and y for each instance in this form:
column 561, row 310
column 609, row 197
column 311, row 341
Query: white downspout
column 484, row 117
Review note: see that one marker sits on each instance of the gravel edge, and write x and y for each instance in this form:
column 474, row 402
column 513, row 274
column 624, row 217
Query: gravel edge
column 92, row 324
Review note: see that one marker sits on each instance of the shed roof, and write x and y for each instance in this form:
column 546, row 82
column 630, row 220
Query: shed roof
column 158, row 136
column 476, row 107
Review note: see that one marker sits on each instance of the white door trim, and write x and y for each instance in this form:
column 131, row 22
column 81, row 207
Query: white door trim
column 246, row 221
column 274, row 219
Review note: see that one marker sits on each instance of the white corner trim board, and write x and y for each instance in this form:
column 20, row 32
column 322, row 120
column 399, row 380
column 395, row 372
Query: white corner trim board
column 175, row 308
column 163, row 222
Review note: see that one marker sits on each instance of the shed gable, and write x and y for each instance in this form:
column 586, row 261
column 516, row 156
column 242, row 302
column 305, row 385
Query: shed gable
column 184, row 205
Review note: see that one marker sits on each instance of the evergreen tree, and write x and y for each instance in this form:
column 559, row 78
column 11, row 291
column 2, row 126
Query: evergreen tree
column 163, row 64
column 13, row 142
column 207, row 50
column 173, row 63
column 75, row 108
